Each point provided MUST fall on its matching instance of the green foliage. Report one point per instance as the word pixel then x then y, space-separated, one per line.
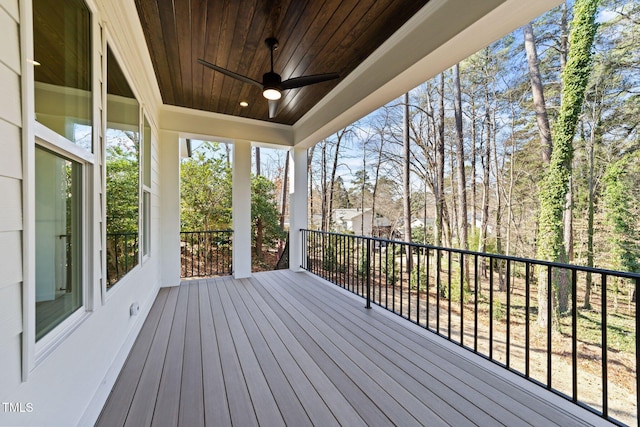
pixel 498 310
pixel 418 236
pixel 205 191
pixel 206 196
pixel 122 185
pixel 389 268
pixel 264 207
pixel 455 288
pixel 554 186
pixel 474 241
pixel 334 252
pixel 419 278
pixel 620 217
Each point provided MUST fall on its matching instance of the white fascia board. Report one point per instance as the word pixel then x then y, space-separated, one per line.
pixel 197 124
pixel 125 30
pixel 440 35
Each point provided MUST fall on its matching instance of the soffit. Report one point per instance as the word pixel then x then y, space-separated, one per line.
pixel 315 37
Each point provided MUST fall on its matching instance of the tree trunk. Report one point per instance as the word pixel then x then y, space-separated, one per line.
pixel 474 186
pixel 454 193
pixel 332 182
pixel 502 285
pixel 537 91
pixel 374 192
pixel 440 171
pixel 486 164
pixel 406 178
pixel 568 222
pixel 310 153
pixel 259 225
pixel 324 188
pixel 283 209
pixel 555 185
pixel 462 180
pixel 512 162
pixel 590 218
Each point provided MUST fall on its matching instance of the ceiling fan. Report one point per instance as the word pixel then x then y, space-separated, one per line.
pixel 272 84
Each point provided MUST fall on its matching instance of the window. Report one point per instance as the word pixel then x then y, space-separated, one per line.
pixel 146 158
pixel 62 49
pixel 122 158
pixel 63 87
pixel 146 188
pixel 58 239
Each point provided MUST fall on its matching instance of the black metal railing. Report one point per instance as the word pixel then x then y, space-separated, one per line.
pixel 205 253
pixel 494 305
pixel 122 255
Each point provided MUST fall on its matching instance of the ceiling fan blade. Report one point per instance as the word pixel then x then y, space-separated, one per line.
pixel 273 108
pixel 230 73
pixel 308 80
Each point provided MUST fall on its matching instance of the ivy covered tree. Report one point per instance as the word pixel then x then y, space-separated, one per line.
pixel 620 217
pixel 555 185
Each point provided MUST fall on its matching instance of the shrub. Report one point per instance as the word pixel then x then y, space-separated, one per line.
pixel 419 278
pixel 389 266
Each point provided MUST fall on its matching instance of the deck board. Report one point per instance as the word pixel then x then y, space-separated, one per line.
pixel 413 364
pixel 123 393
pixel 143 404
pixel 192 404
pixel 285 348
pixel 167 407
pixel 292 411
pixel 482 388
pixel 216 406
pixel 318 392
pixel 240 406
pixel 262 398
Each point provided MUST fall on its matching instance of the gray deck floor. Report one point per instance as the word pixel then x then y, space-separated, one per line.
pixel 285 348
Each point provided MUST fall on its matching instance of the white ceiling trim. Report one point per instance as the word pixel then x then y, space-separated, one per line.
pixel 205 125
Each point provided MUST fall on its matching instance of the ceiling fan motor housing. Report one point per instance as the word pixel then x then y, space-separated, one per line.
pixel 271 80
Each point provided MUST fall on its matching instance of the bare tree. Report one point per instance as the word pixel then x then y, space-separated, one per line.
pixel 462 180
pixel 406 177
pixel 537 92
pixel 440 159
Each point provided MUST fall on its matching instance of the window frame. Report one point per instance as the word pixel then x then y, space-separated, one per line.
pixel 36 134
pixel 108 44
pixel 52 338
pixel 146 194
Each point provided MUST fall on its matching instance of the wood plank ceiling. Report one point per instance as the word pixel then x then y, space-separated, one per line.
pixel 315 37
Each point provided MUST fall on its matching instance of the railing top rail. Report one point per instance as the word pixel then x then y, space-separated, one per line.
pixel 594 270
pixel 206 231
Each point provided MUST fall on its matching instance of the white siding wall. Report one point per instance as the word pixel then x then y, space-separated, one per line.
pixel 69 385
pixel 10 202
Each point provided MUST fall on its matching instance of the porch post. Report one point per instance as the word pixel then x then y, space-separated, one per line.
pixel 169 157
pixel 241 209
pixel 298 197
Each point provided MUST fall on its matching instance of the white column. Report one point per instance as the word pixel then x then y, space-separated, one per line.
pixel 298 196
pixel 241 207
pixel 169 248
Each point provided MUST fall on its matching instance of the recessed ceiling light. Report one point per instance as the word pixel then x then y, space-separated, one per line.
pixel 244 104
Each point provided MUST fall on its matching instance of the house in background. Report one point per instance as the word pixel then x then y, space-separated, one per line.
pixel 359 221
pixel 98 96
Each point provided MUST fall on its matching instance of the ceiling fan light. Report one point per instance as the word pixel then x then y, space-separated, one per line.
pixel 272 94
